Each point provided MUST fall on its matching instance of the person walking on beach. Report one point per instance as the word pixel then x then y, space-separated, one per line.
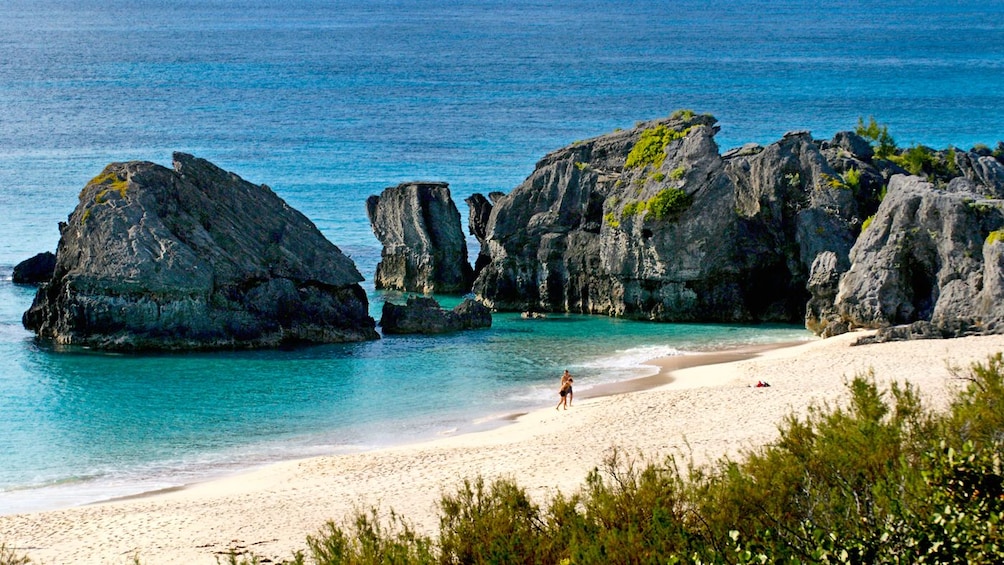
pixel 565 392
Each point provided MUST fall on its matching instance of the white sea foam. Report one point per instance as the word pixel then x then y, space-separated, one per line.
pixel 633 357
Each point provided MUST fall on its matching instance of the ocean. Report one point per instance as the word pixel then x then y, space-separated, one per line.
pixel 329 102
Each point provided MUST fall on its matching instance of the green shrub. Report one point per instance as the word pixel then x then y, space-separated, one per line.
pixel 492 524
pixel 668 203
pixel 632 209
pixel 678 173
pixel 950 166
pixel 582 166
pixel 883 143
pixel 683 114
pixel 651 146
pixel 867 222
pixel 659 176
pixel 917 160
pixel 370 542
pixel 994 237
pixel 852 178
pixel 611 220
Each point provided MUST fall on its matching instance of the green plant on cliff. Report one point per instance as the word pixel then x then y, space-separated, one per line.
pixel 111 181
pixel 917 160
pixel 684 114
pixel 868 221
pixel 995 236
pixel 852 178
pixel 651 146
pixel 883 143
pixel 678 173
pixel 668 203
pixel 611 220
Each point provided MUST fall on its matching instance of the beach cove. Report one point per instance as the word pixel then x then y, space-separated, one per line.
pixel 705 412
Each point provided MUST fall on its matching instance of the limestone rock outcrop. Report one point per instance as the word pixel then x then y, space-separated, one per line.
pixel 653 223
pixel 930 259
pixel 194 258
pixel 424 248
pixel 423 315
pixel 35 270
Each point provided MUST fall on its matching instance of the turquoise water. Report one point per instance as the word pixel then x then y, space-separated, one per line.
pixel 330 101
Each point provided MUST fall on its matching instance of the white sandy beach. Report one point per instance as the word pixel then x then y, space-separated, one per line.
pixel 706 412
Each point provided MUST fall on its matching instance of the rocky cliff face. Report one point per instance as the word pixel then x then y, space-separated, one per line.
pixel 194 257
pixel 653 223
pixel 929 255
pixel 424 249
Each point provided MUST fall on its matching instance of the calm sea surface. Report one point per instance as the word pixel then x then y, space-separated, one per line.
pixel 331 101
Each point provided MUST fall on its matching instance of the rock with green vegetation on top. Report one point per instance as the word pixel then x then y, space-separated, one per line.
pixel 194 258
pixel 654 223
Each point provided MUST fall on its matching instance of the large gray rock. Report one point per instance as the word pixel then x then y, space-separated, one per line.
pixel 925 257
pixel 423 315
pixel 194 257
pixel 585 232
pixel 424 248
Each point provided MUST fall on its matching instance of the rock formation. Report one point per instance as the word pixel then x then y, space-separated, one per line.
pixel 424 248
pixel 35 270
pixel 929 255
pixel 425 316
pixel 194 257
pixel 480 210
pixel 652 223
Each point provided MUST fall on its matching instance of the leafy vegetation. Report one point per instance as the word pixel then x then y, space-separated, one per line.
pixel 667 204
pixel 852 178
pixel 994 237
pixel 112 182
pixel 678 173
pixel 867 222
pixel 684 114
pixel 883 143
pixel 881 479
pixel 651 146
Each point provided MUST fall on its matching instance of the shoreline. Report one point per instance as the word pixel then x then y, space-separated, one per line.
pixel 666 366
pixel 485 423
pixel 707 410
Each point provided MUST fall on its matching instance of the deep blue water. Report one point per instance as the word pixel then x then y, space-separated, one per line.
pixel 328 102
